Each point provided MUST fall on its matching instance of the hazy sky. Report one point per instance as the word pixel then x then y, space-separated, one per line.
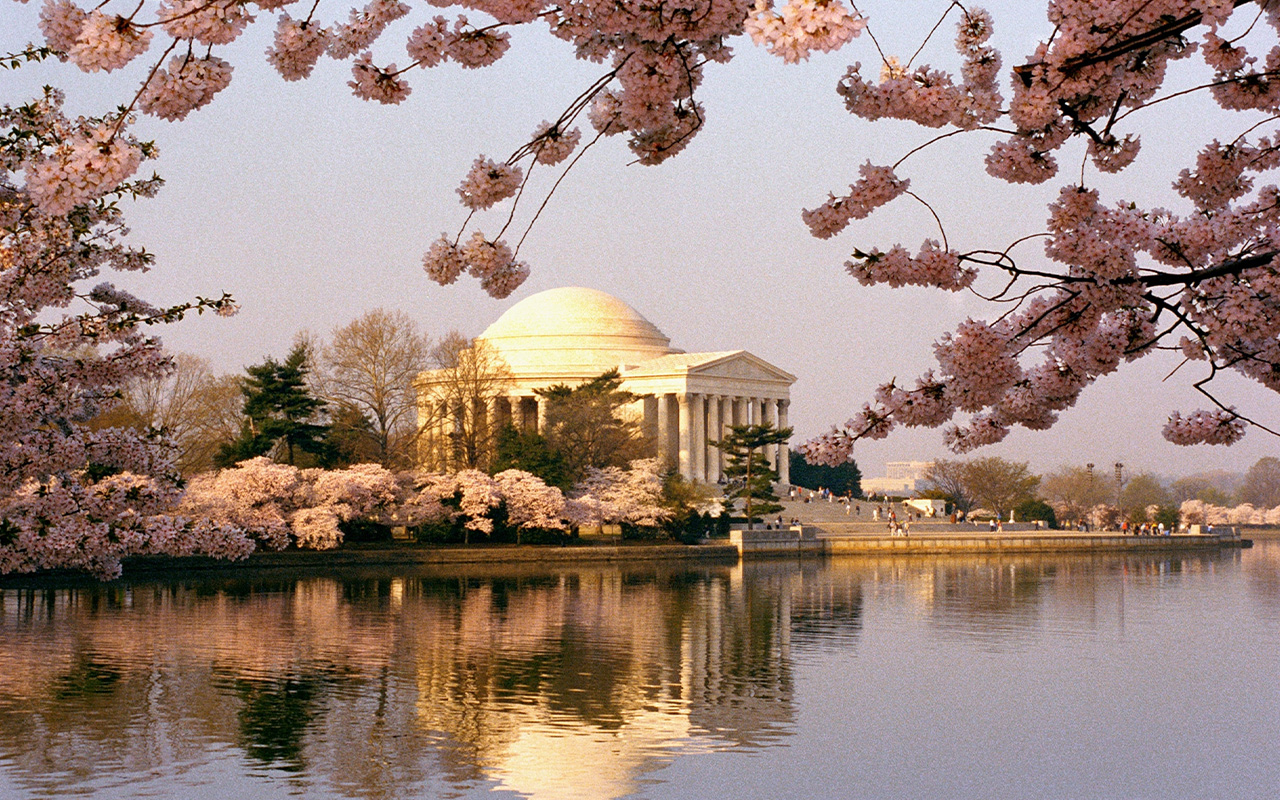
pixel 312 207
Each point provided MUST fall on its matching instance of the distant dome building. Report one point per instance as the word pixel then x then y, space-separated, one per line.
pixel 571 335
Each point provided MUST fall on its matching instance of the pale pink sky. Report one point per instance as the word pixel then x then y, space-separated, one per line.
pixel 312 206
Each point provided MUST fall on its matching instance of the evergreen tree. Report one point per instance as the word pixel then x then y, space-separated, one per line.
pixel 586 427
pixel 278 410
pixel 529 451
pixel 750 477
pixel 844 478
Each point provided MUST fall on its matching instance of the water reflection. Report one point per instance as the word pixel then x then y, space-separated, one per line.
pixel 577 682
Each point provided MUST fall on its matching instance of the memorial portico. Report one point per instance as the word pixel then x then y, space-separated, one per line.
pixel 571 335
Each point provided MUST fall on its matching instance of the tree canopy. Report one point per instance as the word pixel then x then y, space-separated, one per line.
pixel 280 413
pixel 840 479
pixel 749 473
pixel 993 483
pixel 588 427
pixel 369 366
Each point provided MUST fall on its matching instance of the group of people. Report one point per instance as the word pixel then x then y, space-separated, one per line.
pixel 821 493
pixel 1146 529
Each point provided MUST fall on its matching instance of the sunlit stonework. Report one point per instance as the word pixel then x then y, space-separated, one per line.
pixel 570 335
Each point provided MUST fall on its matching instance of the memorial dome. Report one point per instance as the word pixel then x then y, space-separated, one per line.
pixel 574 331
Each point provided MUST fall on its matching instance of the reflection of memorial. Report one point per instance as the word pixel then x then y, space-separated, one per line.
pixel 577 689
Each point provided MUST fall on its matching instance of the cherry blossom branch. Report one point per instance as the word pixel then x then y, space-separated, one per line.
pixel 555 186
pixel 1200 387
pixel 931 32
pixel 1136 42
pixel 143 88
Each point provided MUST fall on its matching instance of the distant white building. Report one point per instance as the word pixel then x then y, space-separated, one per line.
pixel 902 478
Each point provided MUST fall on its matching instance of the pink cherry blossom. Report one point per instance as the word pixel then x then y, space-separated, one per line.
pixel 377 83
pixel 188 84
pixel 107 42
pixel 488 183
pixel 553 145
pixel 207 21
pixel 298 45
pixel 1204 427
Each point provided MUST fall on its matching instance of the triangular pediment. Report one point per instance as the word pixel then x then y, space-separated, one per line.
pixel 734 365
pixel 741 365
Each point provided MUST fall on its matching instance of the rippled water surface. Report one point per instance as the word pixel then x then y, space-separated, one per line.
pixel 1044 677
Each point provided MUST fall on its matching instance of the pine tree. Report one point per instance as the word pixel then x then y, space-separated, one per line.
pixel 586 426
pixel 750 477
pixel 278 410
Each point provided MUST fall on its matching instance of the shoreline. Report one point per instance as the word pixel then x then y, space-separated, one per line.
pixel 739 548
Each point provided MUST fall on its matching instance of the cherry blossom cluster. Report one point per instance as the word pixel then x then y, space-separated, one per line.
pixel 491 261
pixel 614 495
pixel 933 266
pixel 297 47
pixel 553 145
pixel 877 186
pixel 931 97
pixel 376 83
pixel 1217 426
pixel 473 498
pixel 488 183
pixel 802 26
pixel 72 496
pixel 188 84
pixel 82 167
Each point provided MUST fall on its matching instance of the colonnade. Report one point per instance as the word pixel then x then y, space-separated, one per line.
pixel 453 431
pixel 682 423
pixel 685 423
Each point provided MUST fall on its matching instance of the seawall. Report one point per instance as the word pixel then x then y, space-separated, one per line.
pixel 810 540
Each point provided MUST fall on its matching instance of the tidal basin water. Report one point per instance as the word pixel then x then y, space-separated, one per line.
pixel 1019 677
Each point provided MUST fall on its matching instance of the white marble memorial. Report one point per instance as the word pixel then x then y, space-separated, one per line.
pixel 572 334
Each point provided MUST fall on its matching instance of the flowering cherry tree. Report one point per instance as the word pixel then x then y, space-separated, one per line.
pixel 280 505
pixel 612 494
pixel 1197 512
pixel 72 496
pixel 1107 281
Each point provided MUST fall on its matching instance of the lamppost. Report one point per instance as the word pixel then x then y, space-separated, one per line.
pixel 1089 498
pixel 1119 482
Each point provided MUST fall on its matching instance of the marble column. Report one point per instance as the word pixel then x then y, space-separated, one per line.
pixel 714 455
pixel 768 408
pixel 492 419
pixel 543 406
pixel 740 411
pixel 698 436
pixel 649 420
pixel 784 456
pixel 666 453
pixel 686 423
pixel 726 419
pixel 503 412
